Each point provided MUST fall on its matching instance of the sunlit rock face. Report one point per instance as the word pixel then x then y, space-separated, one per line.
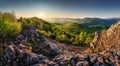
pixel 107 39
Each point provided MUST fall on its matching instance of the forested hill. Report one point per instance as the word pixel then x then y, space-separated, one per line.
pixel 70 33
pixel 74 33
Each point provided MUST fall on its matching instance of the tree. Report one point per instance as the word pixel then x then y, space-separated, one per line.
pixel 82 36
pixel 88 40
pixel 77 40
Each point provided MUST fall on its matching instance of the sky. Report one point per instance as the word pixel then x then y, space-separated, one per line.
pixel 62 8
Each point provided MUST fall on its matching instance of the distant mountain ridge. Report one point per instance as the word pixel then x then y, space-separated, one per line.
pixel 85 21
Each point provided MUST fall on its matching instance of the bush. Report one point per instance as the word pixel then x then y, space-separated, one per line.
pixel 9 25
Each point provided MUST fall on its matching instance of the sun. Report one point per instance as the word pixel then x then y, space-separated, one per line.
pixel 41 15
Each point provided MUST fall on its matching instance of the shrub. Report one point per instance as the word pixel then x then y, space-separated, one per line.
pixel 9 25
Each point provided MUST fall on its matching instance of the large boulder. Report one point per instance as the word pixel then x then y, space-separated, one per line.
pixel 49 49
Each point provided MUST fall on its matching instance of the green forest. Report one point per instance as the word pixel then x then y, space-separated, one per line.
pixel 69 33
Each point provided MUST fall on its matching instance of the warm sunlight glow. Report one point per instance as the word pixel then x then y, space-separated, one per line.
pixel 41 15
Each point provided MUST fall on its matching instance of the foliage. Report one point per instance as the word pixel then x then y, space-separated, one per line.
pixel 72 33
pixel 9 25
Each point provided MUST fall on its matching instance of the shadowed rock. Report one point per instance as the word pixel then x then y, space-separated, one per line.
pixel 50 48
pixel 13 55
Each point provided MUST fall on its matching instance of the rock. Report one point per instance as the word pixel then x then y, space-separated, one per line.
pixel 50 49
pixel 39 64
pixel 79 64
pixel 74 58
pixel 93 58
pixel 100 60
pixel 82 63
pixel 33 58
pixel 10 53
pixel 85 63
pixel 108 54
pixel 112 59
pixel 113 64
pixel 62 64
pixel 24 47
pixel 117 59
pixel 52 63
pixel 42 38
pixel 83 57
pixel 107 39
pixel 96 37
pixel 107 61
pixel 15 56
pixel 96 64
pixel 118 53
pixel 73 62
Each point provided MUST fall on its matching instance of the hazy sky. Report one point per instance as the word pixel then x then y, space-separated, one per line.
pixel 62 8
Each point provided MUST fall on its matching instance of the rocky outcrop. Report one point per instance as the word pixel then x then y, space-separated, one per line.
pixel 46 53
pixel 108 39
pixel 40 44
pixel 29 48
pixel 15 56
